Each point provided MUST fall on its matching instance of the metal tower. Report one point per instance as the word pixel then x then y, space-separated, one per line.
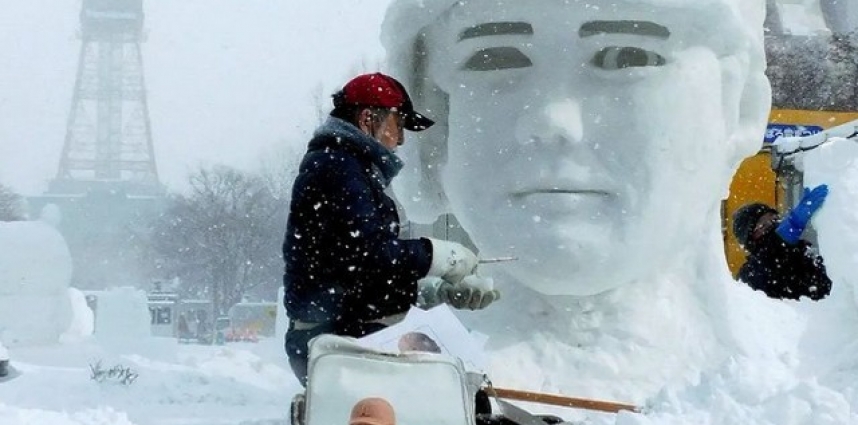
pixel 107 188
pixel 108 141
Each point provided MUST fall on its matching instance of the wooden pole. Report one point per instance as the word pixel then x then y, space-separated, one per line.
pixel 562 401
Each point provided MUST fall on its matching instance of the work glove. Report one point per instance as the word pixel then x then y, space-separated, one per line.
pixel 474 292
pixel 796 220
pixel 451 261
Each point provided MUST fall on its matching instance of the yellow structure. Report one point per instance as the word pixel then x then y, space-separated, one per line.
pixel 755 181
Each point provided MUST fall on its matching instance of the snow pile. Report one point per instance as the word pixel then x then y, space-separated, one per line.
pixel 832 340
pixel 836 164
pixel 35 270
pixel 122 313
pixel 83 319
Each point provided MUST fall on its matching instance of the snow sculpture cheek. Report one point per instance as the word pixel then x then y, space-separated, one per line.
pixel 35 271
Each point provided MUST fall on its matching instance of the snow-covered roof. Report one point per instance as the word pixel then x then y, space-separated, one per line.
pixel 794 145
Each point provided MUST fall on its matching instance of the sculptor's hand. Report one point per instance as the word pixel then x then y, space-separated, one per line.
pixel 474 292
pixel 451 261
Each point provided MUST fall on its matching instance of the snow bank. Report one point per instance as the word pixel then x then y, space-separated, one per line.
pixel 177 384
pixel 83 318
pixel 832 338
pixel 122 314
pixel 101 416
pixel 836 164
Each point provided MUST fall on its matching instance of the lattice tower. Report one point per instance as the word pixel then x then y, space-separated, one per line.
pixel 108 138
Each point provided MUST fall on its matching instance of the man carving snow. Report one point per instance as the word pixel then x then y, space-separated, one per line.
pixel 347 270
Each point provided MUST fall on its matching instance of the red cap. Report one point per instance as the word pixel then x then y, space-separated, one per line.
pixel 382 91
pixel 374 90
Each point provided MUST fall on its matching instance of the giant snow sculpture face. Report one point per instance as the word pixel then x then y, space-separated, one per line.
pixel 589 140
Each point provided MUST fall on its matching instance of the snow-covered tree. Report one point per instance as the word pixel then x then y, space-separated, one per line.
pixel 11 205
pixel 813 72
pixel 798 71
pixel 843 57
pixel 279 167
pixel 223 238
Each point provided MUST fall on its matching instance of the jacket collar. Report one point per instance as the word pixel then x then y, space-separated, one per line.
pixel 335 133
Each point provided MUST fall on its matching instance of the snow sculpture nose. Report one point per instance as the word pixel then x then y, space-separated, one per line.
pixel 556 122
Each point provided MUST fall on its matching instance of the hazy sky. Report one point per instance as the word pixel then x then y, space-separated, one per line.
pixel 228 80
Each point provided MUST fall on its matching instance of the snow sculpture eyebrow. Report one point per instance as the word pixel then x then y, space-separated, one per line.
pixel 644 28
pixel 496 28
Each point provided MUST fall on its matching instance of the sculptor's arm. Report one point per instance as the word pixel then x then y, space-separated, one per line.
pixel 793 225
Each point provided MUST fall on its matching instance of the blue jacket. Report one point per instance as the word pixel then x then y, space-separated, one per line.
pixel 344 259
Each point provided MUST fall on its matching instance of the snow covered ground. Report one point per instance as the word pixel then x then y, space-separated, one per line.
pixel 54 355
pixel 183 384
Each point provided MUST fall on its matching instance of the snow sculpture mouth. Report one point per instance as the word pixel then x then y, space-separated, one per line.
pixel 557 191
pixel 563 205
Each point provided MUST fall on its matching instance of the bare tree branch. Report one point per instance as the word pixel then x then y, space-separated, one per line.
pixel 223 238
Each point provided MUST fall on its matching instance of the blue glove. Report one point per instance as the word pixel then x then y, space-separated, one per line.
pixel 796 221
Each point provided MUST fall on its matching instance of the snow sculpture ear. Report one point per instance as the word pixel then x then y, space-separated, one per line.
pixel 755 99
pixel 754 108
pixel 419 187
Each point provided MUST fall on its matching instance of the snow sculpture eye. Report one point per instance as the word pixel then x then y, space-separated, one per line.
pixel 497 58
pixel 615 57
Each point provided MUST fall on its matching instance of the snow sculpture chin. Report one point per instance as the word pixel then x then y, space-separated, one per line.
pixel 35 271
pixel 594 142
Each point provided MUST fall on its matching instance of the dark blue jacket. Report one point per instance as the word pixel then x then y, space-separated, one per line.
pixel 785 271
pixel 344 259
